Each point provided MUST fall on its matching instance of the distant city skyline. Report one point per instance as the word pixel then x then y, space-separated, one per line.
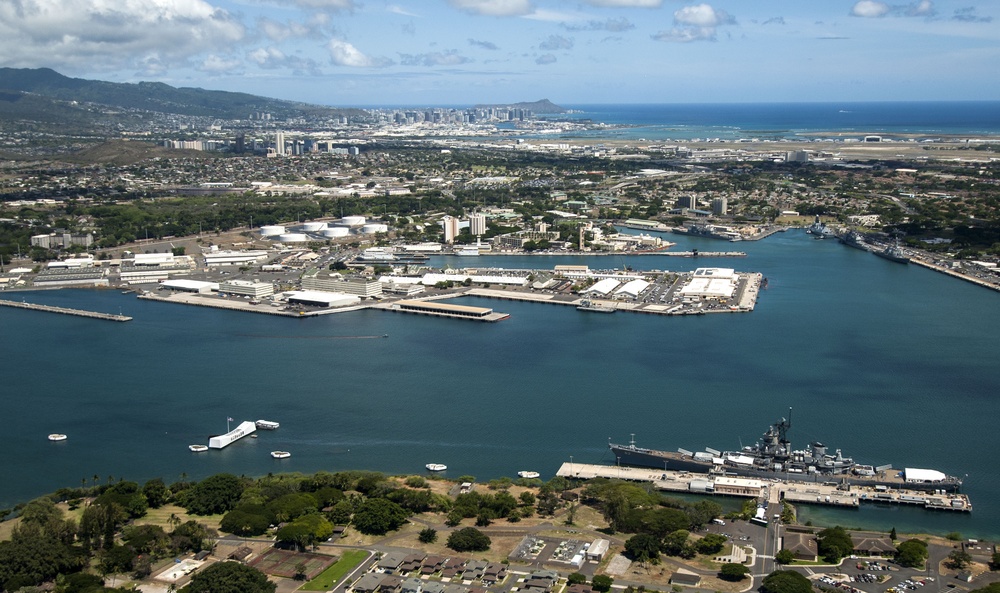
pixel 455 52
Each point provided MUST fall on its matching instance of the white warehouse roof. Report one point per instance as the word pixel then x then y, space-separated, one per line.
pixel 322 299
pixel 714 273
pixel 190 285
pixel 603 287
pixel 633 288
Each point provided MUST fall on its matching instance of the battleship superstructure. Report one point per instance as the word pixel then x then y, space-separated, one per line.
pixel 773 457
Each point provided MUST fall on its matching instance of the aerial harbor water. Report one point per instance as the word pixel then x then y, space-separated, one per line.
pixel 894 364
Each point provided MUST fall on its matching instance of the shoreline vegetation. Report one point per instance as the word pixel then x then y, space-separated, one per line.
pixel 130 531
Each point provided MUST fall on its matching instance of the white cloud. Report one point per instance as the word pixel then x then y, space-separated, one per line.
pixel 612 25
pixel 545 59
pixel 922 8
pixel 484 44
pixel 396 9
pixel 494 7
pixel 876 9
pixel 626 3
pixel 695 23
pixel 870 9
pixel 702 15
pixel 448 58
pixel 555 42
pixel 99 34
pixel 343 53
pixel 335 5
pixel 215 64
pixel 553 16
pixel 278 32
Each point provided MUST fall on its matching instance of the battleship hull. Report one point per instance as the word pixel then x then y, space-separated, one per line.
pixel 674 461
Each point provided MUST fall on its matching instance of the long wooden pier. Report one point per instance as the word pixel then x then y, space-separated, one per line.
pixel 64 311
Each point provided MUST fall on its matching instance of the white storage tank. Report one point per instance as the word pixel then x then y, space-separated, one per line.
pixel 372 228
pixel 312 227
pixel 335 232
pixel 293 238
pixel 272 230
pixel 353 220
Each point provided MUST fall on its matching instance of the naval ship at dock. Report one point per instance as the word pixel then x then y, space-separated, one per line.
pixel 773 458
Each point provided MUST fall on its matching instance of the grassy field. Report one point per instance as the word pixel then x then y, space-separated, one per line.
pixel 329 578
pixel 161 517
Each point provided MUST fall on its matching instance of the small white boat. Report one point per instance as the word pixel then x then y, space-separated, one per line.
pixel 57 437
pixel 436 467
pixel 198 448
pixel 267 425
pixel 280 454
pixel 526 474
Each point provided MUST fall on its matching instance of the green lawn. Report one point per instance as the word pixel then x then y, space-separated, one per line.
pixel 329 578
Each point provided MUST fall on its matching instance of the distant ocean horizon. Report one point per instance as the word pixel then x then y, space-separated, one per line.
pixel 774 121
pixel 795 120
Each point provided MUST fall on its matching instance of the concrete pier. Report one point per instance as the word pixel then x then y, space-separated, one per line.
pixel 773 490
pixel 64 311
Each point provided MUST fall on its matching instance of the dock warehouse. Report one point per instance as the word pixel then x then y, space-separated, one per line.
pixel 711 283
pixel 189 285
pixel 312 298
pixel 603 287
pixel 443 309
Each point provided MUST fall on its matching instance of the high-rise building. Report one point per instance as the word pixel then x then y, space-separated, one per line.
pixel 450 224
pixel 477 224
pixel 720 206
pixel 279 143
pixel 689 202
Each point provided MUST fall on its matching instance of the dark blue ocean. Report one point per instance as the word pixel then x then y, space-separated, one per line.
pixel 730 121
pixel 892 363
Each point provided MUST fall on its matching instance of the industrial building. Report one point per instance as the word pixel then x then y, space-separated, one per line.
pixel 602 287
pixel 312 298
pixel 711 283
pixel 183 285
pixel 632 289
pixel 255 290
pixel 362 287
pixel 86 261
pixel 233 258
pixel 443 309
pixel 739 486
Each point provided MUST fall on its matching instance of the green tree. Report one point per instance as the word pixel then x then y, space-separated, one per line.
pixel 834 543
pixel 576 579
pixel 733 572
pixel 247 521
pixel 674 543
pixel 712 543
pixel 643 547
pixel 786 581
pixel 469 539
pixel 991 588
pixel 995 561
pixel 784 557
pixel 155 492
pixel 378 516
pixel 305 531
pixel 428 535
pixel 229 577
pixel 912 553
pixel 216 494
pixel 958 560
pixel 602 583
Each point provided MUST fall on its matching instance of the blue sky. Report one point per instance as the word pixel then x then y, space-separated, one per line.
pixel 460 52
